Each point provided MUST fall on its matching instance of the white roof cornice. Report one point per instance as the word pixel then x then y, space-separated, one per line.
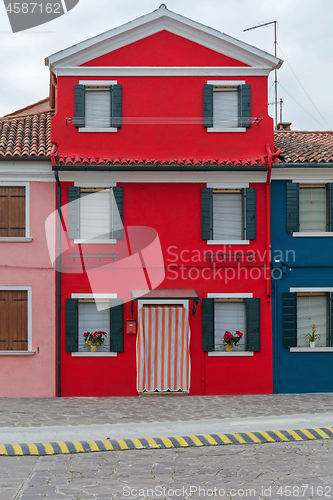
pixel 156 21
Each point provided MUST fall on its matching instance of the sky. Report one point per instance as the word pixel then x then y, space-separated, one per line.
pixel 304 36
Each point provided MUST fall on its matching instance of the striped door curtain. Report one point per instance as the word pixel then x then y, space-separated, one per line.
pixel 163 349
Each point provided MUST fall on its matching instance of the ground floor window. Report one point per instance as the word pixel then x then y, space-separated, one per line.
pixel 93 316
pixel 221 315
pixel 13 320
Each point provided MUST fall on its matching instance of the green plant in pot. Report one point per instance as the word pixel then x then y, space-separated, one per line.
pixel 312 336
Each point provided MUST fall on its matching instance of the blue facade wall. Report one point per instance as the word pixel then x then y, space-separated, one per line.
pixel 308 263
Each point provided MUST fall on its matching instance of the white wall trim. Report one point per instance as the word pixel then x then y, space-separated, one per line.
pixel 93 129
pixel 223 179
pixel 230 83
pixel 221 129
pixel 228 242
pixel 94 295
pixel 15 240
pixel 89 184
pixel 233 354
pixel 311 349
pixel 119 71
pixel 29 290
pixel 103 354
pixel 228 185
pixel 26 171
pixel 95 242
pixel 311 289
pixel 98 82
pixel 229 295
pixel 303 175
pixel 312 235
pixel 17 353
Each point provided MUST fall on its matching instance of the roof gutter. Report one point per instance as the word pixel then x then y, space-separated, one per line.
pixel 304 165
pixel 158 168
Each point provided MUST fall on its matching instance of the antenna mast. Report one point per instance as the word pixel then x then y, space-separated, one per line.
pixel 275 71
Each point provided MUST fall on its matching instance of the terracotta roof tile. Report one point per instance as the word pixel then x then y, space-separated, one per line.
pixel 304 147
pixel 28 135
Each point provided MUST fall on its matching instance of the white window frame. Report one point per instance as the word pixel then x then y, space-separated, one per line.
pixel 94 296
pixel 102 185
pixel 26 238
pixel 226 83
pixel 309 290
pixel 321 234
pixel 29 351
pixel 230 296
pixel 98 83
pixel 240 186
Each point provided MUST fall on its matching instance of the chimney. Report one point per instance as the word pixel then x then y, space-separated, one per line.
pixel 284 126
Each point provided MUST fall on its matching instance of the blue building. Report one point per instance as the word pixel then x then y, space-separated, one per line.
pixel 302 261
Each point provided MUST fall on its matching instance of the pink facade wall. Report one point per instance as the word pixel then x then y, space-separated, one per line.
pixel 28 264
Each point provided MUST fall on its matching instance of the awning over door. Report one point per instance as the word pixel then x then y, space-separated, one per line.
pixel 164 295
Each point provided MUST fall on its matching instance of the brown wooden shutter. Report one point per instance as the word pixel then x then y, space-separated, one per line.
pixel 12 212
pixel 17 212
pixel 4 204
pixel 13 320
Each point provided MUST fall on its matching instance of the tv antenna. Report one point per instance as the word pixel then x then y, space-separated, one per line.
pixel 275 71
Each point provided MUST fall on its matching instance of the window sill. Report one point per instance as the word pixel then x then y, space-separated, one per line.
pixel 16 240
pixel 311 349
pixel 231 354
pixel 311 235
pixel 17 353
pixel 221 129
pixel 93 129
pixel 94 354
pixel 95 242
pixel 228 242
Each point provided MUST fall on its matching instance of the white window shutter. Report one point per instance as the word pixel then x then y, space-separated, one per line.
pixel 97 108
pixel 312 209
pixel 227 216
pixel 95 215
pixel 230 316
pixel 225 109
pixel 92 320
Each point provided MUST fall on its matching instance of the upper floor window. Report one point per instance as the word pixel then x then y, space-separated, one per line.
pixel 13 320
pixel 98 107
pixel 228 216
pixel 309 208
pixel 12 212
pixel 227 106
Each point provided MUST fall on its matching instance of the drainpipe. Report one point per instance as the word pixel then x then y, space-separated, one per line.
pixel 53 160
pixel 270 157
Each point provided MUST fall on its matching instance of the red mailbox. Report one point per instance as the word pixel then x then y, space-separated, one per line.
pixel 131 326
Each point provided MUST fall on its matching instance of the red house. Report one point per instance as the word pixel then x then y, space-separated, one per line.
pixel 162 152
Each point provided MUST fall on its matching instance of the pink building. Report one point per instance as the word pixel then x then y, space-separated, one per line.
pixel 27 279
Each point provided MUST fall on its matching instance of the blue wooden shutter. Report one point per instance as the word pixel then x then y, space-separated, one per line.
pixel 251 213
pixel 289 318
pixel 80 106
pixel 244 105
pixel 329 208
pixel 118 213
pixel 71 324
pixel 208 106
pixel 208 325
pixel 116 106
pixel 117 325
pixel 292 207
pixel 73 212
pixel 252 324
pixel 330 319
pixel 206 214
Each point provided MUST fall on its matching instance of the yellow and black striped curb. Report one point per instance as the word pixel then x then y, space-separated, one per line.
pixel 62 447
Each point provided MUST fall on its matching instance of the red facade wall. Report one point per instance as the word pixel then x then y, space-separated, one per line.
pixel 179 230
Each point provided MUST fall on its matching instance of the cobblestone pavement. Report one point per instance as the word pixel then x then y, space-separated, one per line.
pixel 83 411
pixel 261 472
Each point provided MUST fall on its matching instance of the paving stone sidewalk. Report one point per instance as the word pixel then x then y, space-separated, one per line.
pixel 85 411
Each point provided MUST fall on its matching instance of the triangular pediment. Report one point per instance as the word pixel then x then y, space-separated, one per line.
pixel 158 21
